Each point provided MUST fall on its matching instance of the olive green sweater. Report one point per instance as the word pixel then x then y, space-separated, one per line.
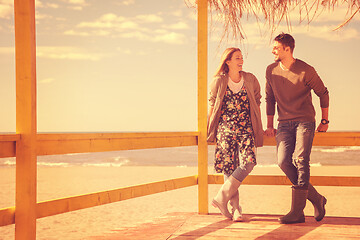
pixel 291 91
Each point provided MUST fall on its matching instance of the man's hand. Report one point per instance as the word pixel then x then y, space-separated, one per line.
pixel 270 132
pixel 322 127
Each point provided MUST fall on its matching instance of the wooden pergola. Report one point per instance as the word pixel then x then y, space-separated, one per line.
pixel 27 144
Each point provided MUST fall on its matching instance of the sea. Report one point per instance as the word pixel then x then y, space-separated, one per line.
pixel 186 157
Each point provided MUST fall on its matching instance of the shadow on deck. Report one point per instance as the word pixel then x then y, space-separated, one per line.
pixel 194 226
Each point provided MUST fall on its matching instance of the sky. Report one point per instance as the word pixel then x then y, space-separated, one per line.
pixel 131 65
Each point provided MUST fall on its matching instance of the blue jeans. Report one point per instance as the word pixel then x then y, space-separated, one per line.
pixel 294 142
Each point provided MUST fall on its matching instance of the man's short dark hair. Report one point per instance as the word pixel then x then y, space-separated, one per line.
pixel 287 40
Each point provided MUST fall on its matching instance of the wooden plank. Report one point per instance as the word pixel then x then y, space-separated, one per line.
pixel 26 171
pixel 337 139
pixel 202 29
pixel 283 180
pixel 53 143
pixel 327 139
pixel 7 149
pixel 49 144
pixel 63 205
pixel 9 137
pixel 215 226
pixel 8 145
pixel 7 216
pixel 159 228
pixel 94 136
pixel 266 227
pixel 53 207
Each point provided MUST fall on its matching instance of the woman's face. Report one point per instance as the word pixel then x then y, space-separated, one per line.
pixel 236 62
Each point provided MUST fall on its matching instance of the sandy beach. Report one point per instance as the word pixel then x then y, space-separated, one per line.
pixel 58 182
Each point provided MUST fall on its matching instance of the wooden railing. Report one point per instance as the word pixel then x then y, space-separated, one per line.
pixel 100 142
pixel 28 144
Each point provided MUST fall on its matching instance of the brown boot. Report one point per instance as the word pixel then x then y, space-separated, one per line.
pixel 296 214
pixel 318 202
pixel 226 192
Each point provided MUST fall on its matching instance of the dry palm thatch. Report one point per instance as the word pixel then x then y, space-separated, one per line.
pixel 273 12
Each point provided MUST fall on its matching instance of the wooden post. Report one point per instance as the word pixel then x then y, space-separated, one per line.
pixel 25 51
pixel 202 108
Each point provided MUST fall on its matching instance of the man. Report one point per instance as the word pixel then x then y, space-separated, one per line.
pixel 289 82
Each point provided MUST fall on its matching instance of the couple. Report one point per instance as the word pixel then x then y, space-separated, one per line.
pixel 235 124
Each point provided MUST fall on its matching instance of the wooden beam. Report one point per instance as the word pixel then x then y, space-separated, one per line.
pixel 25 52
pixel 327 139
pixel 53 207
pixel 337 139
pixel 283 180
pixel 202 107
pixel 63 205
pixel 49 144
pixel 7 216
pixel 58 206
pixel 64 143
pixel 8 145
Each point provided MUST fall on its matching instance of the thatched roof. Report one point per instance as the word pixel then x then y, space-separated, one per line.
pixel 273 12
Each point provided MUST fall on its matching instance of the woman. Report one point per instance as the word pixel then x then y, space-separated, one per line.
pixel 235 124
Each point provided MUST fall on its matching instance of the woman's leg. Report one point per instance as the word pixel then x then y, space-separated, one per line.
pixel 236 209
pixel 247 161
pixel 224 153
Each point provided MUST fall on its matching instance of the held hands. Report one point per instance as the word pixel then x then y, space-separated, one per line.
pixel 270 132
pixel 322 127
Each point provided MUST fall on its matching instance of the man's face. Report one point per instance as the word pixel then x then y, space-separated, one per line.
pixel 278 51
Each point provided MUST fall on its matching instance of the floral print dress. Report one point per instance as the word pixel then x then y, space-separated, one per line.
pixel 234 134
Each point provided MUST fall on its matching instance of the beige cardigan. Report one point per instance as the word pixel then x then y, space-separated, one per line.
pixel 217 92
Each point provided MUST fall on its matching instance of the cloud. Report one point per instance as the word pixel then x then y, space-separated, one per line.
pixel 178 26
pixel 172 38
pixel 39 16
pixel 8 2
pixel 132 52
pixel 76 33
pixel 177 13
pixel 131 28
pixel 6 10
pixel 127 2
pixel 46 80
pixel 62 52
pixel 338 14
pixel 40 4
pixel 137 35
pixel 157 36
pixel 150 18
pixel 79 2
pixel 109 20
pixel 76 4
pixel 326 32
pixel 68 53
pixel 259 34
pixel 7 50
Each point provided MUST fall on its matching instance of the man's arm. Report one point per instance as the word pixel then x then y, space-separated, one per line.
pixel 324 115
pixel 270 130
pixel 270 107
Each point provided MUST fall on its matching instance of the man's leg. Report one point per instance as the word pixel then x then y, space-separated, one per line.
pixel 304 140
pixel 285 139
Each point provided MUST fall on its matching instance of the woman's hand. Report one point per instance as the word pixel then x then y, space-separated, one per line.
pixel 270 132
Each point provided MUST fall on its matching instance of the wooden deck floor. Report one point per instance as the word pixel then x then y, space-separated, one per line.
pixel 182 226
